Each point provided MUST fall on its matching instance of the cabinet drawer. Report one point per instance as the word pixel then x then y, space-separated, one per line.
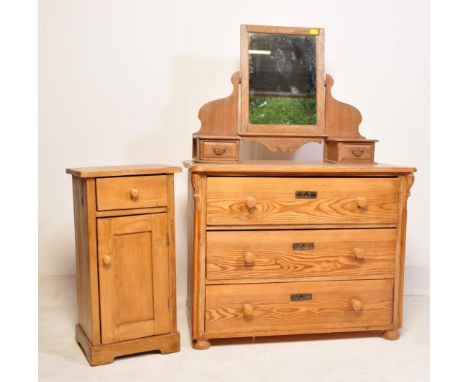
pixel 220 150
pixel 236 255
pixel 131 192
pixel 314 306
pixel 268 201
pixel 357 152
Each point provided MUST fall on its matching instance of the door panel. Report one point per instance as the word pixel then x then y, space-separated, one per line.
pixel 133 270
pixel 133 277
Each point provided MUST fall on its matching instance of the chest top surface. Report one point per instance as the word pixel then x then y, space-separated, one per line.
pixel 298 168
pixel 128 170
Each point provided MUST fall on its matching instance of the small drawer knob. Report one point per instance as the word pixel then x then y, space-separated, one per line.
pixel 218 150
pixel 106 260
pixel 361 202
pixel 250 202
pixel 356 305
pixel 249 258
pixel 359 254
pixel 358 152
pixel 134 194
pixel 247 309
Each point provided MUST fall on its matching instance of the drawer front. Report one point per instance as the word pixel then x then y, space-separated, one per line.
pixel 220 150
pixel 269 201
pixel 266 308
pixel 131 192
pixel 237 255
pixel 357 152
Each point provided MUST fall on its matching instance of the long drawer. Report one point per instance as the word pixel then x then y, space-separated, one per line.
pixel 281 307
pixel 272 201
pixel 236 255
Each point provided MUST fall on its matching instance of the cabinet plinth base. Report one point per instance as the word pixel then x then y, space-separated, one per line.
pixel 391 335
pixel 201 344
pixel 104 354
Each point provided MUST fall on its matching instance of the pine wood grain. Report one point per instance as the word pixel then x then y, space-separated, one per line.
pixel 132 211
pixel 219 117
pixel 126 170
pixel 104 354
pixel 84 206
pixel 334 254
pixel 337 201
pixel 219 150
pixel 273 309
pixel 223 276
pixel 171 254
pixel 133 277
pixel 116 193
pixel 197 269
pixel 341 120
pixel 126 287
pixel 291 168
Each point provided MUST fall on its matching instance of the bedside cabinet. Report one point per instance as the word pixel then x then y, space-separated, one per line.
pixel 280 248
pixel 125 260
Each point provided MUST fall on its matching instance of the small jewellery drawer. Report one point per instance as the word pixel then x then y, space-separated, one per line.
pixel 357 152
pixel 219 150
pixel 237 255
pixel 298 306
pixel 273 201
pixel 131 192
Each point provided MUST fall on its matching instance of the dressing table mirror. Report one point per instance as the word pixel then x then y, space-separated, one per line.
pixel 285 102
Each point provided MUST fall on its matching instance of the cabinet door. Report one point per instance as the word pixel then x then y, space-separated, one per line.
pixel 133 277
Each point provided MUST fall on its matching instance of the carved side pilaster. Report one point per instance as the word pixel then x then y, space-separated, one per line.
pixel 409 184
pixel 196 191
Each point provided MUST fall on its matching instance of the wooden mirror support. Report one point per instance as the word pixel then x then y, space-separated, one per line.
pixel 344 143
pixel 217 139
pixel 223 121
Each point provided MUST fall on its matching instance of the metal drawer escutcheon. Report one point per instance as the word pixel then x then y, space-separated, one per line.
pixel 306 194
pixel 301 297
pixel 302 246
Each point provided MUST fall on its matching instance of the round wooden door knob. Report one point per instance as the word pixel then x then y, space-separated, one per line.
pixel 134 194
pixel 249 258
pixel 356 305
pixel 250 202
pixel 106 260
pixel 359 254
pixel 361 202
pixel 247 309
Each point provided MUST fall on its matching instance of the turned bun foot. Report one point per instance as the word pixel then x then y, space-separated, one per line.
pixel 201 344
pixel 391 334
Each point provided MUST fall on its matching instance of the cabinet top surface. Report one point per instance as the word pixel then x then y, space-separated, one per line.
pixel 297 167
pixel 137 169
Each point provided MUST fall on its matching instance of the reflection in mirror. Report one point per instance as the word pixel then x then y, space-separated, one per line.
pixel 282 79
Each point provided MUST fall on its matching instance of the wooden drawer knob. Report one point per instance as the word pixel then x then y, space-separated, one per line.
pixel 249 258
pixel 359 254
pixel 358 152
pixel 218 150
pixel 356 305
pixel 134 194
pixel 247 309
pixel 250 202
pixel 106 260
pixel 361 202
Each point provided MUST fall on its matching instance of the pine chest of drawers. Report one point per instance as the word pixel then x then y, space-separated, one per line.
pixel 279 248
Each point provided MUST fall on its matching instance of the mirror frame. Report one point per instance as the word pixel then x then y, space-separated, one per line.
pixel 248 129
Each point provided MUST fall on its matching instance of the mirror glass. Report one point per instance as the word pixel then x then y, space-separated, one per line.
pixel 282 79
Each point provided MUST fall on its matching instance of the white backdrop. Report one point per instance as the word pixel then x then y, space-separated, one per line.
pixel 121 82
